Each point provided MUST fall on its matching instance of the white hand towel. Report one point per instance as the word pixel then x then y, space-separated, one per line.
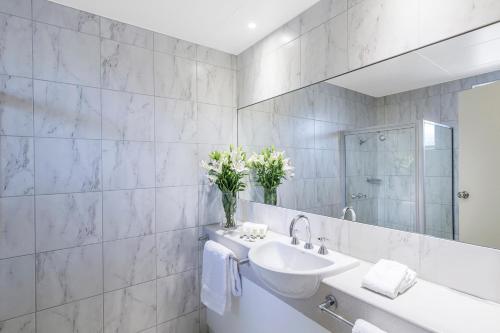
pixel 389 278
pixel 219 277
pixel 361 326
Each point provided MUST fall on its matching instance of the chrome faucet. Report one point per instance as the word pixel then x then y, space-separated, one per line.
pixel 351 211
pixel 293 231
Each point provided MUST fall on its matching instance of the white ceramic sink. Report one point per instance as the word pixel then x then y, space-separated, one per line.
pixel 292 271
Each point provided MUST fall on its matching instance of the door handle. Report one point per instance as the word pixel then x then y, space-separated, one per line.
pixel 463 195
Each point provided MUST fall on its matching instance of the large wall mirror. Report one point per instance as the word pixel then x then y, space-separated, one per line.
pixel 410 143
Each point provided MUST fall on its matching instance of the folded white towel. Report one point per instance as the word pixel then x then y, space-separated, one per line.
pixel 389 278
pixel 220 277
pixel 361 326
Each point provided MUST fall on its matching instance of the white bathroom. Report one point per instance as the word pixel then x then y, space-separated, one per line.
pixel 261 166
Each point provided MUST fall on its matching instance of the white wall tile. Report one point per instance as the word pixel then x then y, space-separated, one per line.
pixel 23 324
pixel 17 226
pixel 16 166
pixel 16 42
pixel 174 46
pixel 17 286
pixel 177 295
pixel 16 106
pixel 175 77
pixel 126 33
pixel 215 84
pixel 66 165
pixel 188 323
pixel 16 7
pixel 321 12
pixel 215 124
pixel 177 251
pixel 176 208
pixel 176 164
pixel 176 120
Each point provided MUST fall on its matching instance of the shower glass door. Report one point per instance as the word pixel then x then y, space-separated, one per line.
pixel 380 176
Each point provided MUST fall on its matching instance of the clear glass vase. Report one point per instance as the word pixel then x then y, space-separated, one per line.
pixel 229 201
pixel 271 196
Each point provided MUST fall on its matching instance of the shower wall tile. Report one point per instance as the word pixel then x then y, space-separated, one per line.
pixel 215 57
pixel 127 116
pixel 67 220
pixel 130 310
pixel 175 77
pixel 52 13
pixel 174 46
pixel 128 213
pixel 65 56
pixel 127 164
pixel 17 221
pixel 16 45
pixel 188 323
pixel 16 106
pixel 23 324
pixel 127 68
pixel 177 251
pixel 68 275
pixel 176 164
pixel 16 166
pixel 324 51
pixel 128 262
pixel 80 316
pixel 66 111
pixel 177 295
pixel 66 165
pixel 210 208
pixel 16 7
pixel 126 33
pixel 17 286
pixel 176 120
pixel 176 208
pixel 321 12
pixel 215 85
pixel 216 124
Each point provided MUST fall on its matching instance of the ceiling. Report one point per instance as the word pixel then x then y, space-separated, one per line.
pixel 474 53
pixel 220 24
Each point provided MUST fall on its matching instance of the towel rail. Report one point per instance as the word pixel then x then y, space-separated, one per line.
pixel 329 302
pixel 239 261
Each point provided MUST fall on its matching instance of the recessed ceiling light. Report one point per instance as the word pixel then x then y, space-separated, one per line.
pixel 252 25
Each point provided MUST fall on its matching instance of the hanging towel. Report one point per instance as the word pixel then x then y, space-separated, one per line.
pixel 220 277
pixel 389 278
pixel 361 326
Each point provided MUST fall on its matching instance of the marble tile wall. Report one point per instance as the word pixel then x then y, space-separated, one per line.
pixel 306 125
pixel 335 36
pixel 102 128
pixel 436 260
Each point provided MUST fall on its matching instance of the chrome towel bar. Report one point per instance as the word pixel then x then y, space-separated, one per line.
pixel 329 302
pixel 239 261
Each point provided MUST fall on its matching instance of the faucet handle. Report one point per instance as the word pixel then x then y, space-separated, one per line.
pixel 323 249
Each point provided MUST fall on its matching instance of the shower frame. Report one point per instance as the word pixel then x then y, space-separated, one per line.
pixel 418 129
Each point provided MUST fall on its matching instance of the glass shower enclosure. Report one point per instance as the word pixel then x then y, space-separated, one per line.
pixel 401 177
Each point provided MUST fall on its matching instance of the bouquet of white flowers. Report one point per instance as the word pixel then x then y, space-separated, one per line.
pixel 227 169
pixel 271 169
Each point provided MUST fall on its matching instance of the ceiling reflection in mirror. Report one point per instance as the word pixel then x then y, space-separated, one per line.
pixel 410 143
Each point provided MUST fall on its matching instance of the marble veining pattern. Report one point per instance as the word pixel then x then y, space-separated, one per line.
pixel 128 262
pixel 128 213
pixel 215 85
pixel 66 165
pixel 127 164
pixel 125 33
pixel 16 166
pixel 16 106
pixel 17 219
pixel 65 56
pixel 15 46
pixel 17 286
pixel 78 131
pixel 79 316
pixel 67 220
pixel 130 310
pixel 67 111
pixel 48 12
pixel 68 275
pixel 187 323
pixel 127 68
pixel 127 116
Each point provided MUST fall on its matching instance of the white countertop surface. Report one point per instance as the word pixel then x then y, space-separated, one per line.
pixel 428 305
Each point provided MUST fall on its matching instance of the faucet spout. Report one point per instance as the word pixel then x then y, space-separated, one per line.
pixel 293 231
pixel 349 211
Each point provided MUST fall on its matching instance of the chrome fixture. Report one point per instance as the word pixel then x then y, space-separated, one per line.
pixel 330 301
pixel 242 261
pixel 349 210
pixel 293 231
pixel 358 196
pixel 323 249
pixel 381 137
pixel 463 195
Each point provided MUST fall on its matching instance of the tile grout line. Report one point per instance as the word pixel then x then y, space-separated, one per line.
pixel 154 194
pixel 102 174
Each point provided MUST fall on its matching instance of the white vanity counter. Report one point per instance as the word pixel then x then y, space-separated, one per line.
pixel 432 307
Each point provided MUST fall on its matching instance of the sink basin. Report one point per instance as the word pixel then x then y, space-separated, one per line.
pixel 292 271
